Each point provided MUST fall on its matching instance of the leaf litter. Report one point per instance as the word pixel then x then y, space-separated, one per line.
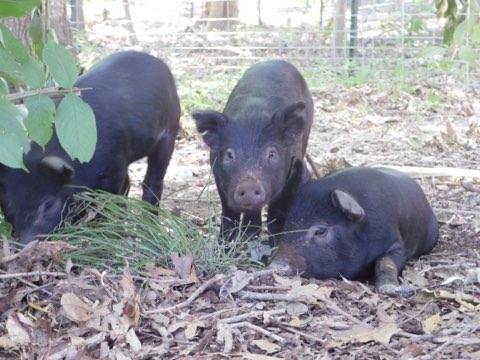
pixel 54 309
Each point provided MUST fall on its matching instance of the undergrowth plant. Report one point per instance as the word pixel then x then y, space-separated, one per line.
pixel 116 230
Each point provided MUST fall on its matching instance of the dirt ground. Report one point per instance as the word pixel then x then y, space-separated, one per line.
pixel 254 314
pixel 366 125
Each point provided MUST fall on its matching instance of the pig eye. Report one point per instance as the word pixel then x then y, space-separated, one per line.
pixel 272 154
pixel 320 231
pixel 48 205
pixel 229 156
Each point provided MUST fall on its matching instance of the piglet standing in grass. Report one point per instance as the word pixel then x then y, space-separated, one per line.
pixel 357 222
pixel 254 142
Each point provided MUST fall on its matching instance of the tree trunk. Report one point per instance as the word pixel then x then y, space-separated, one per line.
pixel 353 29
pixel 259 12
pixel 19 27
pixel 128 16
pixel 221 10
pixel 77 17
pixel 58 22
pixel 339 28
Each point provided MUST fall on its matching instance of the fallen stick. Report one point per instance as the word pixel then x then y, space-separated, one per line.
pixel 313 165
pixel 32 273
pixel 88 342
pixel 258 329
pixel 420 172
pixel 30 247
pixel 192 297
pixel 302 334
pixel 250 295
pixel 251 314
pixel 338 310
pixel 450 341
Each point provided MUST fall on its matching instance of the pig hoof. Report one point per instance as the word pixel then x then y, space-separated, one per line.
pixel 404 291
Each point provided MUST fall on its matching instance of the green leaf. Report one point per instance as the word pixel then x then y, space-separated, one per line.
pixel 11 153
pixel 9 66
pixel 416 25
pixel 13 45
pixel 11 122
pixel 35 30
pixel 460 33
pixel 475 35
pixel 60 63
pixel 466 53
pixel 33 74
pixel 448 31
pixel 4 87
pixel 433 51
pixel 17 7
pixel 41 110
pixel 76 128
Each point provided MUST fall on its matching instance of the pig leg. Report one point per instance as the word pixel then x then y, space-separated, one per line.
pixel 387 269
pixel 125 187
pixel 278 210
pixel 158 162
pixel 275 221
pixel 232 227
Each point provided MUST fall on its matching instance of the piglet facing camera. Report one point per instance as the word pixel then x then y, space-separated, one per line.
pixel 356 223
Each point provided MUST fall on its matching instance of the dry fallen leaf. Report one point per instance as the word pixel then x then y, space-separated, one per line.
pixel 267 346
pixel 183 265
pixel 296 308
pixel 431 323
pixel 6 343
pixel 307 292
pixel 237 282
pixel 75 309
pixel 133 341
pixel 127 285
pixel 191 329
pixel 296 322
pixel 364 333
pixel 18 329
pixel 8 300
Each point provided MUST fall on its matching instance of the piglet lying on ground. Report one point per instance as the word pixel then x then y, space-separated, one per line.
pixel 355 223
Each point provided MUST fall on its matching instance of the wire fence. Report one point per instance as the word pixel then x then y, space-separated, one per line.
pixel 380 38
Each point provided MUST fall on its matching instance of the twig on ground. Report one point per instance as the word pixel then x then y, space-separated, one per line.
pixel 91 341
pixel 249 295
pixel 267 288
pixel 32 273
pixel 302 334
pixel 258 329
pixel 251 314
pixel 450 341
pixel 25 251
pixel 338 310
pixel 313 165
pixel 192 297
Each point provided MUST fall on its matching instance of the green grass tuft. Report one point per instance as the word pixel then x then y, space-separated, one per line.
pixel 116 230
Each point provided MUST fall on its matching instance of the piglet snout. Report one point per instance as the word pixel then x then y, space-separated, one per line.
pixel 250 194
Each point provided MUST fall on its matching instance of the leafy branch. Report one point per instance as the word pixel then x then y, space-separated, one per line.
pixel 51 71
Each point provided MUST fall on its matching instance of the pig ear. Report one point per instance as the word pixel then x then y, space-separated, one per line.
pixel 58 167
pixel 292 121
pixel 210 124
pixel 348 205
